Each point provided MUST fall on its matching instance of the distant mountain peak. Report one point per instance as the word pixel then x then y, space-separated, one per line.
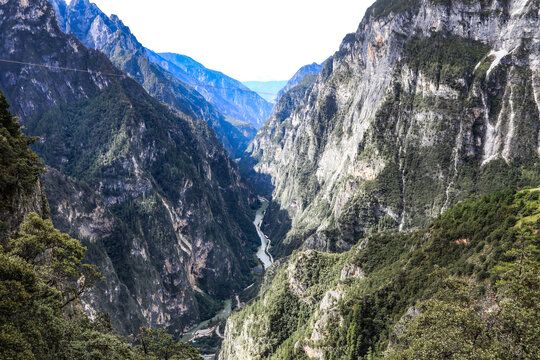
pixel 309 69
pixel 231 96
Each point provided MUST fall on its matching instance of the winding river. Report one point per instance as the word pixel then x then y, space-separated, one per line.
pixel 208 327
pixel 263 253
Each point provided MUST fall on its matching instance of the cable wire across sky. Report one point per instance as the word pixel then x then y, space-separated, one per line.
pixel 125 75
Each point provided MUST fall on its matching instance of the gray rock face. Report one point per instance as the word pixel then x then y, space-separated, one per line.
pixel 273 129
pixel 96 30
pixel 151 192
pixel 311 69
pixel 76 208
pixel 60 8
pixel 250 333
pixel 418 109
pixel 21 21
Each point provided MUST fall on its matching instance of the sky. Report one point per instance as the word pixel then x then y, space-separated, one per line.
pixel 258 40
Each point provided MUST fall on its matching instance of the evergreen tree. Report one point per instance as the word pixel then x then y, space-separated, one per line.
pixel 454 324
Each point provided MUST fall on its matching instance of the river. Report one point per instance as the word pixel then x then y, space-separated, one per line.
pixel 263 253
pixel 208 327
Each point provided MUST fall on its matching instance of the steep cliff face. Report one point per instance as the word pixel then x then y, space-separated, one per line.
pixel 152 193
pixel 96 30
pixel 23 21
pixel 229 95
pixel 428 102
pixel 311 69
pixel 82 211
pixel 272 131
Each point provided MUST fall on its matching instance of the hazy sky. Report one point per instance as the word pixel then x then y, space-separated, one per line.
pixel 245 39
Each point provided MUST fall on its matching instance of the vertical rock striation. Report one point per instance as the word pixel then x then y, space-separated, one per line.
pixel 428 102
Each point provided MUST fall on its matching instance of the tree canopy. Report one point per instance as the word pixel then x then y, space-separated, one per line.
pixel 42 276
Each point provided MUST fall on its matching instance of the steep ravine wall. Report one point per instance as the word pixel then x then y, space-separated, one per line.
pixel 427 103
pixel 152 193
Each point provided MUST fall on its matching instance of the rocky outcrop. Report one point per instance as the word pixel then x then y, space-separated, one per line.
pixel 150 191
pixel 303 288
pixel 272 132
pixel 30 85
pixel 82 212
pixel 17 205
pixel 427 103
pixel 96 30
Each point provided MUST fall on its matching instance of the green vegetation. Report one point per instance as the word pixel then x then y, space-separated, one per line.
pixel 158 345
pixel 470 240
pixel 208 307
pixel 145 162
pixel 444 58
pixel 19 167
pixel 382 8
pixel 41 280
pixel 470 249
pixel 463 322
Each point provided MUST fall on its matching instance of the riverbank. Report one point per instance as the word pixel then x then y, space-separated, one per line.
pixel 208 332
pixel 263 252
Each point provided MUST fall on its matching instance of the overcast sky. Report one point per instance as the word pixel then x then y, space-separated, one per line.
pixel 245 39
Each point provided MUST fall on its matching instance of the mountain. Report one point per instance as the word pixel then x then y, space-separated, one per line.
pixel 435 293
pixel 427 103
pixel 267 89
pixel 298 76
pixel 42 274
pixel 229 95
pixel 96 30
pixel 149 191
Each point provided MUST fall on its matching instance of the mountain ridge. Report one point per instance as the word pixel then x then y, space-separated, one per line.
pixel 144 187
pixel 229 95
pixel 311 69
pixel 365 302
pixel 370 131
pixel 96 30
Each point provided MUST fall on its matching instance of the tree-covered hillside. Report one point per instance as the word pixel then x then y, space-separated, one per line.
pixel 149 190
pixel 43 276
pixel 470 278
